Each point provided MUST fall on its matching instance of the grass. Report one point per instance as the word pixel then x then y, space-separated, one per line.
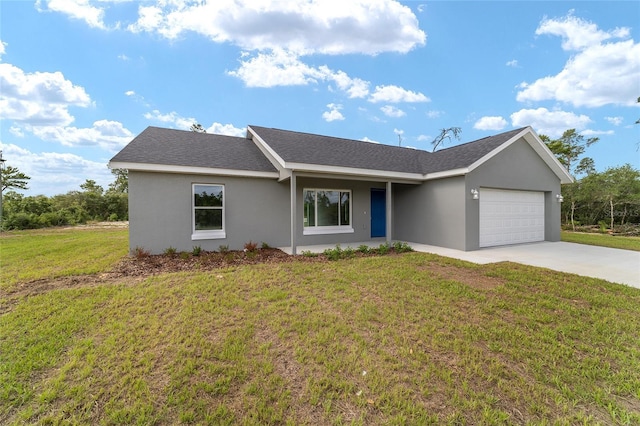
pixel 403 339
pixel 52 253
pixel 604 240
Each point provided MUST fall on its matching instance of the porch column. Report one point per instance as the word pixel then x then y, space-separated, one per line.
pixel 389 209
pixel 294 213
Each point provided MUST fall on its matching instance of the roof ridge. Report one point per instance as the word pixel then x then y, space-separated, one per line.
pixel 339 138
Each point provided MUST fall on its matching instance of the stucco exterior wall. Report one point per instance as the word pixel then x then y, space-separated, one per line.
pixel 160 211
pixel 431 213
pixel 518 167
pixel 360 206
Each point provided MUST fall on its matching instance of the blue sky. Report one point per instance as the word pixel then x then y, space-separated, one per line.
pixel 80 78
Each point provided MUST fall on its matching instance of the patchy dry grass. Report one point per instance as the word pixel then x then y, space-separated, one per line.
pixel 604 240
pixel 402 339
pixel 56 252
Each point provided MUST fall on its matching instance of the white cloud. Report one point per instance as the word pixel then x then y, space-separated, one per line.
pixel 490 123
pixel 577 33
pixel 391 111
pixel 303 26
pixel 589 132
pixel 182 123
pixel 550 123
pixel 434 114
pixel 366 139
pixel 76 9
pixel 600 73
pixel 130 93
pixel 227 129
pixel 2 48
pixel 395 94
pixel 616 121
pixel 16 131
pixel 277 68
pixel 171 118
pixel 423 138
pixel 333 114
pixel 512 63
pixel 108 135
pixel 55 173
pixel 39 98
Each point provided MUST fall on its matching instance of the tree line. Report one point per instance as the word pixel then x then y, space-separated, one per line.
pixel 609 199
pixel 90 203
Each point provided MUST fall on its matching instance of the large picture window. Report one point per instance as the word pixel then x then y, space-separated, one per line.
pixel 208 211
pixel 327 211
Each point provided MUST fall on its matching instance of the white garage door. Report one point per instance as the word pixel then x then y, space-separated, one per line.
pixel 510 217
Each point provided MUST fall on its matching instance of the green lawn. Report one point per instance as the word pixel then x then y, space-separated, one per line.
pixel 51 253
pixel 604 240
pixel 398 339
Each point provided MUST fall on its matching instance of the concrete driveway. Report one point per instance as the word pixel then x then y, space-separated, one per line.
pixel 615 265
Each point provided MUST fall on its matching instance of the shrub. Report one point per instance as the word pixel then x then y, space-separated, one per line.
pixel 196 250
pixel 265 246
pixel 363 248
pixel 334 253
pixel 140 252
pixel 250 246
pixel 309 253
pixel 383 248
pixel 223 248
pixel 170 251
pixel 348 253
pixel 184 255
pixel 401 247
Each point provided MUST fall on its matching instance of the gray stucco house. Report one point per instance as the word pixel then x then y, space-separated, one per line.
pixel 291 189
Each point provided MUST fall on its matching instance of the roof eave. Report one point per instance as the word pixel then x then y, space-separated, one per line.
pixel 355 172
pixel 192 170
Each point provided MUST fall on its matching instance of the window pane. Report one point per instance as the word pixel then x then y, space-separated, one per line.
pixel 345 208
pixel 207 195
pixel 208 219
pixel 328 202
pixel 309 208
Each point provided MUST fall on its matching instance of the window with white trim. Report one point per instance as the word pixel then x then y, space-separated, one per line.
pixel 208 211
pixel 326 211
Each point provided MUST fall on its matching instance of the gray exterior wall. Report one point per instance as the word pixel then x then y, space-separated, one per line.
pixel 432 213
pixel 360 205
pixel 160 212
pixel 518 167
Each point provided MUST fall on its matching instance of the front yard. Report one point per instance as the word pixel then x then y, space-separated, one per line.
pixel 396 339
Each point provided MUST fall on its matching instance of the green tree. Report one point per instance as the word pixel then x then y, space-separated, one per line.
pixel 569 148
pixel 197 127
pixel 12 178
pixel 121 182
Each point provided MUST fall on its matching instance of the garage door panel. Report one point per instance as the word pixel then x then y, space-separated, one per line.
pixel 510 217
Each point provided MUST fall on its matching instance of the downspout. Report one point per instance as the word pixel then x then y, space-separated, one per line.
pixel 294 213
pixel 389 210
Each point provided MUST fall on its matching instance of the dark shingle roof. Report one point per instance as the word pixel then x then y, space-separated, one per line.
pixel 182 148
pixel 307 148
pixel 464 155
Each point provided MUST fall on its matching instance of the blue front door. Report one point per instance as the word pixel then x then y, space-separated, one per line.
pixel 378 212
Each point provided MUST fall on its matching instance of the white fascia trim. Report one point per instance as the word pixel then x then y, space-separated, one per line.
pixel 541 149
pixel 349 171
pixel 266 149
pixel 446 173
pixel 165 168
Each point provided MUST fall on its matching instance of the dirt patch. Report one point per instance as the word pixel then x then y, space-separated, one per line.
pixel 469 276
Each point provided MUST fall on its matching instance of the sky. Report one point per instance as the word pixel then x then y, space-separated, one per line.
pixel 79 79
